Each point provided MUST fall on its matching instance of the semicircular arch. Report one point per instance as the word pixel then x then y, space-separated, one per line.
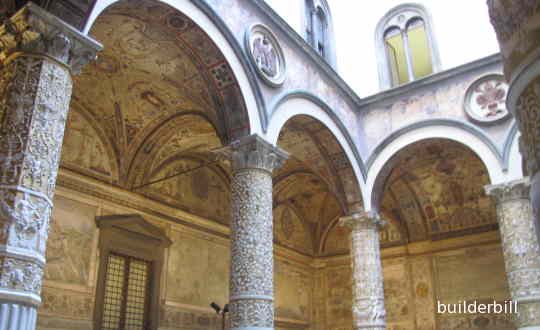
pixel 379 164
pixel 301 103
pixel 217 31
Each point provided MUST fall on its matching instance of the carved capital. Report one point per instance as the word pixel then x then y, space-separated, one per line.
pixel 36 31
pixel 509 191
pixel 363 220
pixel 254 152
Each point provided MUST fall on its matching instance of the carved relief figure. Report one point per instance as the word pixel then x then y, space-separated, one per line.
pixel 265 56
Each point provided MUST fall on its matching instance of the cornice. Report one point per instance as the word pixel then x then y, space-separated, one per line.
pixel 431 80
pixel 69 181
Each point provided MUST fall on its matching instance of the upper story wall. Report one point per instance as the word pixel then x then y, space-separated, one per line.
pixel 461 30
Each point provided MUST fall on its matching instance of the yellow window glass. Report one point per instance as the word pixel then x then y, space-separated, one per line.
pixel 395 49
pixel 419 48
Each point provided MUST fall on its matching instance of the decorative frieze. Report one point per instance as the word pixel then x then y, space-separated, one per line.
pixel 33 30
pixel 368 291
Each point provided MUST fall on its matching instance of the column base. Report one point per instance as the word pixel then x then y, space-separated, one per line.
pixel 14 316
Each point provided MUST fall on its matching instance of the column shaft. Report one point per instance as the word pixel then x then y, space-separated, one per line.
pixel 520 248
pixel 368 293
pixel 35 86
pixel 252 261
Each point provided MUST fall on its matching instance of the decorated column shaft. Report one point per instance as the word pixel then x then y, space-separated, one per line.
pixel 520 248
pixel 368 290
pixel 517 25
pixel 37 54
pixel 252 260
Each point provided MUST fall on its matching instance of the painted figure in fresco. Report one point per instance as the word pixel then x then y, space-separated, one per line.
pixel 265 56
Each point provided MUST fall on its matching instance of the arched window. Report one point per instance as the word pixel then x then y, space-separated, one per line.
pixel 318 28
pixel 406 48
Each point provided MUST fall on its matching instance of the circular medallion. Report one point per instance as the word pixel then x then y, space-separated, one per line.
pixel 485 100
pixel 266 54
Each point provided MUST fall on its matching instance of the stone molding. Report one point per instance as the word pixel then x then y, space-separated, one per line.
pixel 253 152
pixel 508 191
pixel 363 220
pixel 34 30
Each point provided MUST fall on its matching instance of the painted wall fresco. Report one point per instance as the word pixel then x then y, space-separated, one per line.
pixel 197 271
pixel 70 247
pixel 204 192
pixel 474 274
pixel 291 231
pixel 436 190
pixel 412 285
pixel 67 296
pixel 293 291
pixel 83 150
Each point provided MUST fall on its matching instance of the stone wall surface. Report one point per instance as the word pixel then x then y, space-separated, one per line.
pixel 413 285
pixel 196 272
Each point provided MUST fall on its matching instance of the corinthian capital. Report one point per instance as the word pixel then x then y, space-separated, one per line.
pixel 508 191
pixel 34 30
pixel 363 220
pixel 254 152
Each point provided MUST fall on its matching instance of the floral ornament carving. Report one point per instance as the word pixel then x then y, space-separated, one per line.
pixel 38 53
pixel 21 275
pixel 252 264
pixel 520 247
pixel 368 291
pixel 516 29
pixel 485 100
pixel 34 30
pixel 527 112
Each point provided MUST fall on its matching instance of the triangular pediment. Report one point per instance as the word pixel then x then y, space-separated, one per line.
pixel 133 223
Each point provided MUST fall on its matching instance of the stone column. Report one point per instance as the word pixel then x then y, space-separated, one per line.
pixel 520 248
pixel 38 52
pixel 252 261
pixel 368 293
pixel 516 24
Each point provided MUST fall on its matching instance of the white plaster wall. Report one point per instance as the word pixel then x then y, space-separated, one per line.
pixel 461 27
pixel 292 11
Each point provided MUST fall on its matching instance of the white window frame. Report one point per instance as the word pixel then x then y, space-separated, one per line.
pixel 399 17
pixel 313 8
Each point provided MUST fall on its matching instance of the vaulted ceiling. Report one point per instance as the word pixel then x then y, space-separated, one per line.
pixel 161 97
pixel 434 190
pixel 317 185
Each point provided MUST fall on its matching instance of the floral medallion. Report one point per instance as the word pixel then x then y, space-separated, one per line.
pixel 485 100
